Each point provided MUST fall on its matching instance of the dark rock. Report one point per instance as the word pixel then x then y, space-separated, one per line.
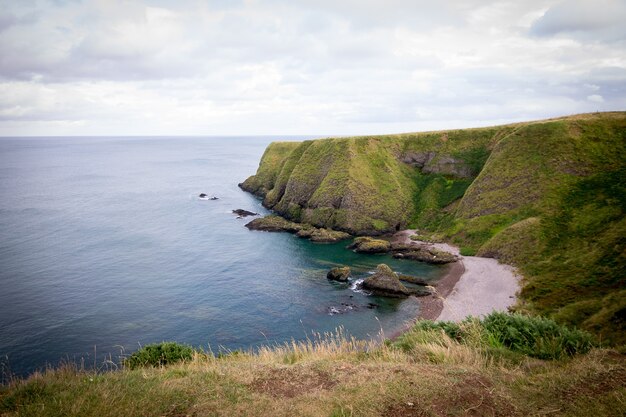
pixel 418 292
pixel 244 213
pixel 372 305
pixel 202 195
pixel 344 308
pixel 213 198
pixel 339 274
pixel 418 159
pixel 385 282
pixel 366 244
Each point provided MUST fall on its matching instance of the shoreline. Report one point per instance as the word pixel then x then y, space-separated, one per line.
pixel 472 286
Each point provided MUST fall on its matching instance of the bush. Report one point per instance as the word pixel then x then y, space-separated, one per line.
pixel 466 251
pixel 452 329
pixel 537 336
pixel 159 354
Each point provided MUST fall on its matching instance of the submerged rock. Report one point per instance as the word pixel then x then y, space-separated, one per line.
pixel 343 308
pixel 244 213
pixel 339 274
pixel 366 244
pixel 385 282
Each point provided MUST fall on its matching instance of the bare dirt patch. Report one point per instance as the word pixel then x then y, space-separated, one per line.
pixel 474 395
pixel 597 384
pixel 292 382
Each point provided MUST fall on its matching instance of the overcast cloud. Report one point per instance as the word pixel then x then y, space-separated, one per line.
pixel 323 67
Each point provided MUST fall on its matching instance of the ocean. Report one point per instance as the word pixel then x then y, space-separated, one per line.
pixel 106 247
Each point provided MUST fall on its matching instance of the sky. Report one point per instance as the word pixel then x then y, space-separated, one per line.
pixel 303 67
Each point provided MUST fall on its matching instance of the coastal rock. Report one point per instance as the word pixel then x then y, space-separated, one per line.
pixel 385 282
pixel 370 245
pixel 419 292
pixel 273 223
pixel 322 235
pixel 428 255
pixel 412 280
pixel 339 274
pixel 305 233
pixel 244 213
pixel 404 247
pixel 328 236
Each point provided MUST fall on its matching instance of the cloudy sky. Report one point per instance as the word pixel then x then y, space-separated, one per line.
pixel 321 67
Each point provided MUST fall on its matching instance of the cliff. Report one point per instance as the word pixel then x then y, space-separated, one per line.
pixel 368 185
pixel 547 196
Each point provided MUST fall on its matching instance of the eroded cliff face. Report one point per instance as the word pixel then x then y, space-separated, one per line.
pixel 353 185
pixel 369 185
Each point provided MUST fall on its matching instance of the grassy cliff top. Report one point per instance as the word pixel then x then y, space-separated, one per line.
pixel 547 196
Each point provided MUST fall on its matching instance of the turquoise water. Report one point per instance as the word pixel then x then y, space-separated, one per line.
pixel 105 246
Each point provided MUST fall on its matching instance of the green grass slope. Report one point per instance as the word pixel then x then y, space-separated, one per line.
pixel 547 196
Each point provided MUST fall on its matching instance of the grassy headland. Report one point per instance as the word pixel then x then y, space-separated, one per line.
pixel 548 197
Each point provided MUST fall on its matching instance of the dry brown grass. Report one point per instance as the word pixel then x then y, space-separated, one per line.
pixel 334 375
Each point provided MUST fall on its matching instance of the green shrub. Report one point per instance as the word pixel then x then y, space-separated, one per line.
pixel 538 337
pixel 159 354
pixel 465 251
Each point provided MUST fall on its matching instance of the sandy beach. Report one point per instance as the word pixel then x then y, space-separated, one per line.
pixel 473 286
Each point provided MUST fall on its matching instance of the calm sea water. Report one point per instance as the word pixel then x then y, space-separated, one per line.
pixel 105 246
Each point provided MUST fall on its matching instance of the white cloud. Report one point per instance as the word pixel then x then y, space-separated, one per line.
pixel 584 18
pixel 319 67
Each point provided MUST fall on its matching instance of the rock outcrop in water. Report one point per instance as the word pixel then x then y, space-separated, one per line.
pixel 244 213
pixel 385 282
pixel 273 223
pixel 427 254
pixel 339 274
pixel 369 245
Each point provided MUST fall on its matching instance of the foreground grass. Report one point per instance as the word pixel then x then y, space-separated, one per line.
pixel 424 373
